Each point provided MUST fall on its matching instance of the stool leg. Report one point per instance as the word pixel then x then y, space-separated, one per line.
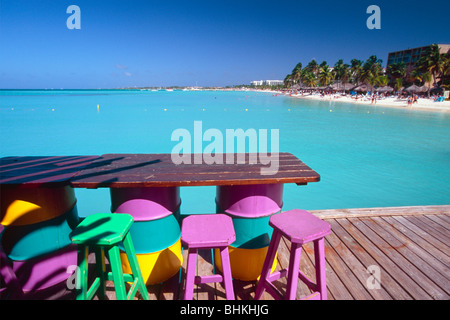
pixel 82 275
pixel 101 270
pixel 226 270
pixel 292 277
pixel 190 274
pixel 319 257
pixel 134 265
pixel 9 277
pixel 117 273
pixel 268 262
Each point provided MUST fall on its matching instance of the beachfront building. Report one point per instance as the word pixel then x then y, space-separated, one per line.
pixel 256 83
pixel 267 82
pixel 411 56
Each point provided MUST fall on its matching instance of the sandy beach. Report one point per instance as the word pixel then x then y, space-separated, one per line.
pixel 421 104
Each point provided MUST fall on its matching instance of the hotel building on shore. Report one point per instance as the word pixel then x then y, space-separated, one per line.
pixel 411 56
pixel 266 82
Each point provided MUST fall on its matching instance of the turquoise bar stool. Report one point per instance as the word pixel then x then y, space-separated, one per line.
pixel 104 232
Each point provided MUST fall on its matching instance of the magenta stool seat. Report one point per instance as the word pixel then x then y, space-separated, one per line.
pixel 299 227
pixel 208 231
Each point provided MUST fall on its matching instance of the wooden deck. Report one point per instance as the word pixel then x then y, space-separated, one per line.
pixel 408 245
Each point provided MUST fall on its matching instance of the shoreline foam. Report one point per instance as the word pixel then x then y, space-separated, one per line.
pixel 392 102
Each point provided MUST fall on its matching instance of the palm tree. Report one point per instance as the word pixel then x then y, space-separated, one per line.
pixel 372 68
pixel 398 84
pixel 297 73
pixel 341 71
pixel 367 76
pixel 396 70
pixel 426 78
pixel 313 66
pixel 309 78
pixel 415 76
pixel 445 79
pixel 382 80
pixel 325 75
pixel 356 69
pixel 433 62
pixel 288 80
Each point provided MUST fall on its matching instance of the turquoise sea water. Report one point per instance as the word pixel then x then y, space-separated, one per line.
pixel 367 156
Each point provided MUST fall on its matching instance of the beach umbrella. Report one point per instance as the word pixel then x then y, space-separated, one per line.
pixel 385 89
pixel 363 88
pixel 348 86
pixel 415 89
pixel 343 86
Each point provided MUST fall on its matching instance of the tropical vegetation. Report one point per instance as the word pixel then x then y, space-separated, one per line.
pixel 432 70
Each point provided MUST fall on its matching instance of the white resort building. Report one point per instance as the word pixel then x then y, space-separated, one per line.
pixel 266 82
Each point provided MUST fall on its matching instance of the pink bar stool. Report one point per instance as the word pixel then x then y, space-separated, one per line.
pixel 300 227
pixel 208 231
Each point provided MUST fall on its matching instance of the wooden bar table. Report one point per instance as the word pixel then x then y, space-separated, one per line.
pixel 147 187
pixel 38 211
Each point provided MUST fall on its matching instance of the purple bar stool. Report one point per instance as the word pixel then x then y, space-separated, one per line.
pixel 208 231
pixel 300 227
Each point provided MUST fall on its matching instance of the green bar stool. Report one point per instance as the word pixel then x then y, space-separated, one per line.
pixel 103 232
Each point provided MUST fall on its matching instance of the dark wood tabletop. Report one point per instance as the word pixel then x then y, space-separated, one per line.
pixel 158 170
pixel 37 171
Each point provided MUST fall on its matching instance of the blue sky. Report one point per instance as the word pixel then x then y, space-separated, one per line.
pixel 205 43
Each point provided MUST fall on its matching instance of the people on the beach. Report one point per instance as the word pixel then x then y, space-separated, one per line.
pixel 374 98
pixel 410 101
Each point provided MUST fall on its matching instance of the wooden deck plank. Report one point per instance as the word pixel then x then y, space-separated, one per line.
pixel 441 221
pixel 411 243
pixel 415 238
pixel 383 211
pixel 355 288
pixel 356 266
pixel 425 224
pixel 445 217
pixel 437 226
pixel 431 279
pixel 425 284
pixel 384 260
pixel 426 236
pixel 388 284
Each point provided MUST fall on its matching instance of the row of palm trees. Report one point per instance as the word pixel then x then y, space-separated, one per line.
pixel 431 69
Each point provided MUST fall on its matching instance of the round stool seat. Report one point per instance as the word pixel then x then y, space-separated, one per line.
pixel 207 231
